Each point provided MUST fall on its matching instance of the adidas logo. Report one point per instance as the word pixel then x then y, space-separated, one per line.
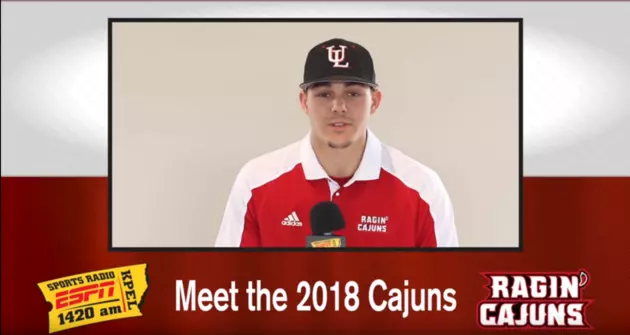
pixel 292 220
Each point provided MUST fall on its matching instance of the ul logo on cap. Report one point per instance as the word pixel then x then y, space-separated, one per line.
pixel 337 56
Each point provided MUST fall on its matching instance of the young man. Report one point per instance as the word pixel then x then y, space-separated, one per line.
pixel 386 198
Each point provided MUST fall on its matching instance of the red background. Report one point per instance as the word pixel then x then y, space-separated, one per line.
pixel 55 227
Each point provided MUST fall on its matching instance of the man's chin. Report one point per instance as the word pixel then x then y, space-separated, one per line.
pixel 339 144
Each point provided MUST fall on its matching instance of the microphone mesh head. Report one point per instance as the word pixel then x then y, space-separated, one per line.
pixel 326 217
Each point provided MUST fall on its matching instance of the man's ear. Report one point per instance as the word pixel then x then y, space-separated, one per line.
pixel 302 96
pixel 377 97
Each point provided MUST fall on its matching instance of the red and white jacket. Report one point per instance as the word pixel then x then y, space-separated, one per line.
pixel 391 201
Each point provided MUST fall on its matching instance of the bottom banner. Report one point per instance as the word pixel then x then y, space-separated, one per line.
pixel 571 274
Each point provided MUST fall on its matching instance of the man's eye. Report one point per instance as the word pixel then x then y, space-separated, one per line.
pixel 323 95
pixel 354 94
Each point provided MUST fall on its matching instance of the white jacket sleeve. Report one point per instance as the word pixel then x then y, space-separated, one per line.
pixel 238 227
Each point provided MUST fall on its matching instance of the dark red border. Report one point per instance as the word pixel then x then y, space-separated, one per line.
pixel 55 227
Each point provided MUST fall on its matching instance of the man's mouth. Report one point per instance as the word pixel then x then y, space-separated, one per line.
pixel 338 124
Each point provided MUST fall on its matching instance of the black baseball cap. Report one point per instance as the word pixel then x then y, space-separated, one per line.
pixel 339 60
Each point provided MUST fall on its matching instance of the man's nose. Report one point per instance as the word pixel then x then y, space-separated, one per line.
pixel 339 106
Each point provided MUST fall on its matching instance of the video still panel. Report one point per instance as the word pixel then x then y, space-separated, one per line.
pixel 315 135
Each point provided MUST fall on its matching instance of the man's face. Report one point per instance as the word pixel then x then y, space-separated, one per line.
pixel 339 111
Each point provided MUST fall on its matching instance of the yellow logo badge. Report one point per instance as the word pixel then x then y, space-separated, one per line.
pixel 334 242
pixel 93 297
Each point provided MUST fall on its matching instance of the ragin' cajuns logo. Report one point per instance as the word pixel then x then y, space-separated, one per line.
pixel 535 301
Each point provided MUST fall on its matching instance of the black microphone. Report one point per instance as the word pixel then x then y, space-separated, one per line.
pixel 326 218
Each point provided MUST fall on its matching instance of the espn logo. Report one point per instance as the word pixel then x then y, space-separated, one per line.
pixel 83 294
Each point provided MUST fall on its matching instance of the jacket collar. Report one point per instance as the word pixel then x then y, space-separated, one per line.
pixel 369 168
